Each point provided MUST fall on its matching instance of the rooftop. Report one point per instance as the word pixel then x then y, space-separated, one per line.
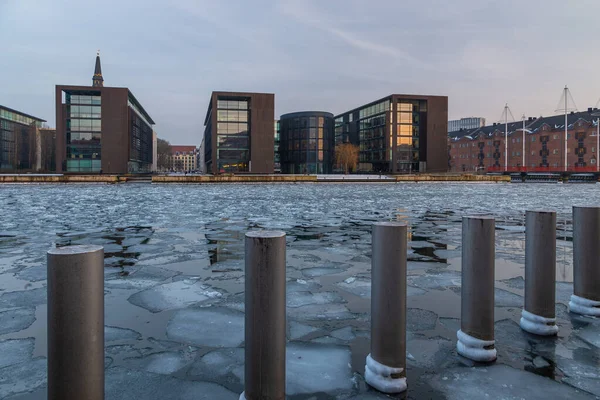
pixel 21 113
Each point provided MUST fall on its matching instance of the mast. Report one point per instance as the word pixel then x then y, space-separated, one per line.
pixel 566 125
pixel 523 163
pixel 506 137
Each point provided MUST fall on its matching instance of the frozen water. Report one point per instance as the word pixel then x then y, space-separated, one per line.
pixel 23 377
pixel 126 384
pixel 162 363
pixel 314 272
pixel 436 280
pixel 320 312
pixel 317 368
pixel 15 351
pixel 299 299
pixel 420 320
pixel 113 333
pixel 219 363
pixel 590 335
pixel 16 320
pixel 297 330
pixel 500 382
pixel 343 333
pixel 301 285
pixel 430 353
pixel 174 295
pixel 357 286
pixel 213 327
pixel 23 298
pixel 140 278
pixel 503 298
pixel 515 283
pixel 34 274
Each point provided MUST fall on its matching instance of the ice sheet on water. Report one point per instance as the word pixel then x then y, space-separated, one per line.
pixel 320 271
pixel 317 368
pixel 140 278
pixel 212 327
pixel 218 364
pixel 33 274
pixel 24 377
pixel 503 298
pixel 298 330
pixel 164 363
pixel 358 286
pixel 564 290
pixel 301 285
pixel 418 320
pixel 320 312
pixel 343 333
pixel 299 299
pixel 15 351
pixel 16 320
pixel 591 333
pixel 113 333
pixel 500 382
pixel 430 353
pixel 174 295
pixel 515 283
pixel 434 279
pixel 23 298
pixel 126 384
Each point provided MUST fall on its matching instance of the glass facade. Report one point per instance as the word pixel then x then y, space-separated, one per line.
pixel 277 158
pixel 84 132
pixel 233 135
pixel 307 141
pixel 17 140
pixel 388 134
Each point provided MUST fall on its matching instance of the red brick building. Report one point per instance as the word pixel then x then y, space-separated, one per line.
pixel 482 149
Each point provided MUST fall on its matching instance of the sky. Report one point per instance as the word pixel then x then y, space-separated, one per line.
pixel 326 55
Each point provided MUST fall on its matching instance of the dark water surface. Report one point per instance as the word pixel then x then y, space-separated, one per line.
pixel 174 286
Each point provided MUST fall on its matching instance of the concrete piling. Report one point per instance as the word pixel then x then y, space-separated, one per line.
pixel 538 315
pixel 76 323
pixel 476 334
pixel 385 368
pixel 586 261
pixel 265 324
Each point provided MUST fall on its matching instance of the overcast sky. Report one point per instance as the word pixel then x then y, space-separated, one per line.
pixel 330 55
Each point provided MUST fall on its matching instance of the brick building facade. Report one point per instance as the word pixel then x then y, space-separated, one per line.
pixel 483 149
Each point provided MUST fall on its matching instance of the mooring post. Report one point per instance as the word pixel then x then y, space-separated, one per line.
pixel 586 261
pixel 476 334
pixel 539 315
pixel 76 323
pixel 265 316
pixel 385 368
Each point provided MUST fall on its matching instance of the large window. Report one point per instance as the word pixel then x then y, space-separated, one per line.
pixel 233 135
pixel 84 133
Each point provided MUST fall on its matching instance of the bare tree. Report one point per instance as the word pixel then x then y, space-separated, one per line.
pixel 163 154
pixel 346 156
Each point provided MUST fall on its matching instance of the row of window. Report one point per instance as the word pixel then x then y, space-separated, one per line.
pixel 19 118
pixel 374 109
pixel 232 116
pixel 85 111
pixel 232 129
pixel 92 125
pixel 515 140
pixel 79 165
pixel 311 144
pixel 304 122
pixel 232 104
pixel 81 99
pixel 311 133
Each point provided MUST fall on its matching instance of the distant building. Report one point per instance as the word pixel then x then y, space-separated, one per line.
pixel 307 142
pixel 46 153
pixel 154 151
pixel 184 158
pixel 102 129
pixel 238 133
pixel 466 123
pixel 398 133
pixel 276 155
pixel 20 147
pixel 483 149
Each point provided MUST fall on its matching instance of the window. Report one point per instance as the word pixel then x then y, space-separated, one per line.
pixel 533 139
pixel 518 140
pixel 533 153
pixel 555 137
pixel 568 136
pixel 593 149
pixel 593 161
pixel 555 151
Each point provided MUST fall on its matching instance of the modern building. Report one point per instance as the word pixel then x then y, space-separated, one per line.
pixel 154 152
pixel 307 142
pixel 465 123
pixel 538 148
pixel 101 129
pixel 184 158
pixel 276 155
pixel 398 134
pixel 19 141
pixel 238 133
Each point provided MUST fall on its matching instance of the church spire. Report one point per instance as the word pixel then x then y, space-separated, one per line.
pixel 97 80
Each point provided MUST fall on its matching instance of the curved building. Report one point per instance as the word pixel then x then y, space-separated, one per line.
pixel 307 142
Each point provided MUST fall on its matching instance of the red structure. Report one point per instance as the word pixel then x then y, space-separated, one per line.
pixel 482 149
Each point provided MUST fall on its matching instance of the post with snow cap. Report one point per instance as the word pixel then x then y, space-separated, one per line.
pixel 476 334
pixel 76 323
pixel 538 315
pixel 386 365
pixel 265 316
pixel 586 261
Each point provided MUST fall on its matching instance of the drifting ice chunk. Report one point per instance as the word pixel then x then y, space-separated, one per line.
pixel 24 377
pixel 299 299
pixel 300 285
pixel 141 278
pixel 320 312
pixel 34 274
pixel 314 272
pixel 14 351
pixel 500 382
pixel 343 333
pixel 420 320
pixel 317 368
pixel 23 298
pixel 125 384
pixel 173 295
pixel 219 363
pixel 436 280
pixel 358 286
pixel 16 320
pixel 113 333
pixel 215 327
pixel 503 298
pixel 297 330
pixel 162 363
